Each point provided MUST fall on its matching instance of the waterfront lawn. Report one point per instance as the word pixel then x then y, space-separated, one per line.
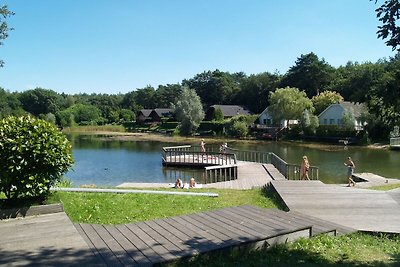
pixel 357 249
pixel 107 208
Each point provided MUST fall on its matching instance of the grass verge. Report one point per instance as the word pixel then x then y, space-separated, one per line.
pixel 106 208
pixel 357 249
pixel 385 187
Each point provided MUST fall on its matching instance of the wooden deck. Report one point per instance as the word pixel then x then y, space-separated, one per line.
pixel 151 242
pixel 361 209
pixel 45 240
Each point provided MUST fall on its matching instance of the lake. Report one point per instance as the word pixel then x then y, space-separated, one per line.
pixel 109 163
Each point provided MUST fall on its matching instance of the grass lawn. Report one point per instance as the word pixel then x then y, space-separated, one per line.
pixel 385 187
pixel 106 208
pixel 357 249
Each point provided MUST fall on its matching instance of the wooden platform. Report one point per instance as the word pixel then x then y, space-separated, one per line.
pixel 250 175
pixel 361 209
pixel 45 240
pixel 163 240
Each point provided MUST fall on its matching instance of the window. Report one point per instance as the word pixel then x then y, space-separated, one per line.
pixel 331 121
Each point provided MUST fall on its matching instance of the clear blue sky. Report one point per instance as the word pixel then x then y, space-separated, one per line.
pixel 98 46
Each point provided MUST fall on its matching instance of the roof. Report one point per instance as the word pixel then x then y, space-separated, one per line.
pixel 145 112
pixel 162 112
pixel 232 110
pixel 356 108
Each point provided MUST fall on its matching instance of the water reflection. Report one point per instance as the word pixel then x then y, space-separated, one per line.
pixel 102 161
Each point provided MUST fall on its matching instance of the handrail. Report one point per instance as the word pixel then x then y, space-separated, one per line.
pixel 190 155
pixel 395 141
pixel 224 173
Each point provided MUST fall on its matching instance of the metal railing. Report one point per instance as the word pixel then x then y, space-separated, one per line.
pixel 395 141
pixel 223 166
pixel 215 174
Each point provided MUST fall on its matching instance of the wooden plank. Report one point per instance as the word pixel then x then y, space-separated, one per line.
pixel 114 246
pixel 146 250
pixel 147 238
pixel 100 245
pixel 90 244
pixel 130 249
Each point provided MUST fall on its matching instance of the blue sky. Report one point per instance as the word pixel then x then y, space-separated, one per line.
pixel 97 46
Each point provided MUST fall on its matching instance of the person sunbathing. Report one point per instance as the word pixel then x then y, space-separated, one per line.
pixel 178 183
pixel 192 183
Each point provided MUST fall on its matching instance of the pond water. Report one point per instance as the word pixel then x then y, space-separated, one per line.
pixel 109 163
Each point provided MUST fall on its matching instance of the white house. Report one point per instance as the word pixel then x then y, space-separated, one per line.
pixel 333 115
pixel 265 118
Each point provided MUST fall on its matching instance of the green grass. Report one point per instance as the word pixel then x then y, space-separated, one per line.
pixel 350 250
pixel 106 208
pixel 385 187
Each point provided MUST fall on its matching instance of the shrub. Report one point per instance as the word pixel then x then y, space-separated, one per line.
pixel 34 155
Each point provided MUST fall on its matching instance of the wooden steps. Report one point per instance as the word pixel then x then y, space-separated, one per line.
pixel 163 240
pixel 351 207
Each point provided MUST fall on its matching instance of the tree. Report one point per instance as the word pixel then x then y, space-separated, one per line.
pixel 41 101
pixel 325 99
pixel 166 95
pixel 389 14
pixel 255 89
pixel 348 120
pixel 9 104
pixel 34 155
pixel 288 104
pixel 188 110
pixel 145 97
pixel 4 29
pixel 218 115
pixel 215 87
pixel 309 74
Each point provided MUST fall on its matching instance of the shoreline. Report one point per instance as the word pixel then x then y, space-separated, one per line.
pixel 128 136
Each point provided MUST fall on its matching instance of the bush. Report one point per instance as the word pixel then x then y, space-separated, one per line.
pixel 34 155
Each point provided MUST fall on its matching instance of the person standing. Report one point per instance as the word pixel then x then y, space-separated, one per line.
pixel 350 170
pixel 304 167
pixel 202 146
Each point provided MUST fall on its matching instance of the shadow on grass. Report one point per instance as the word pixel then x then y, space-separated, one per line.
pixel 279 255
pixel 268 191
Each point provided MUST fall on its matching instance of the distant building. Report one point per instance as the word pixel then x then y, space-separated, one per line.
pixel 143 115
pixel 228 111
pixel 265 119
pixel 158 113
pixel 333 115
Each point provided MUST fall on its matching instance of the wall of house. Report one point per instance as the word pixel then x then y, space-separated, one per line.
pixel 332 116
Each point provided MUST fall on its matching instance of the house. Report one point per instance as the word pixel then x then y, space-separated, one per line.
pixel 227 110
pixel 333 115
pixel 143 115
pixel 265 119
pixel 158 113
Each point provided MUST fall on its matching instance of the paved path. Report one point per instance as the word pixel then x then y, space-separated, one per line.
pixel 45 240
pixel 362 209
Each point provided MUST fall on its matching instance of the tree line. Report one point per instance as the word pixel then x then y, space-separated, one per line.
pixel 375 84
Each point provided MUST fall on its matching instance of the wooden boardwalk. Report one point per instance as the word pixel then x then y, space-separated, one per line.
pixel 162 240
pixel 250 175
pixel 361 209
pixel 45 240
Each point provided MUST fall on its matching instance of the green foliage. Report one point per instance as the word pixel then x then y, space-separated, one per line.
pixel 309 123
pixel 335 131
pixel 389 14
pixel 41 101
pixel 325 99
pixel 189 111
pixel 127 115
pixel 348 120
pixel 218 115
pixel 34 155
pixel 239 129
pixel 79 113
pixel 4 29
pixel 309 74
pixel 288 104
pixel 9 104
